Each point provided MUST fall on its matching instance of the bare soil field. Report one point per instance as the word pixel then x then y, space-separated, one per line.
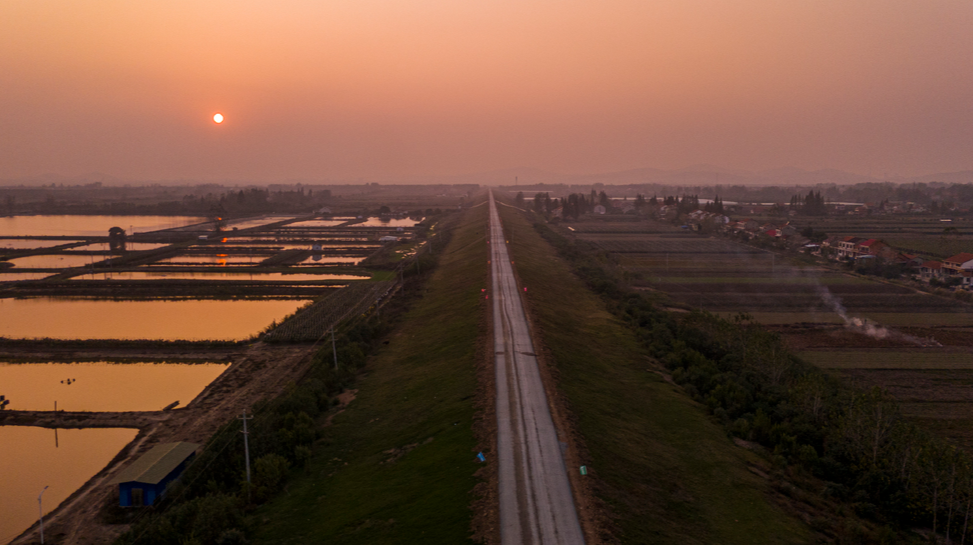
pixel 917 385
pixel 802 288
pixel 916 345
pixel 888 359
pixel 823 337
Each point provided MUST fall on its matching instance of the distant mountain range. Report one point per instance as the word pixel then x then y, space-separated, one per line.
pixel 695 175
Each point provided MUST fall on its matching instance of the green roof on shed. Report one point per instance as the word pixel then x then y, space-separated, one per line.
pixel 154 465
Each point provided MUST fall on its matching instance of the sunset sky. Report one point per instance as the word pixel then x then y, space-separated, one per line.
pixel 393 89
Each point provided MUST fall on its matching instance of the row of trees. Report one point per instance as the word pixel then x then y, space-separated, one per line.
pixel 811 204
pixel 578 204
pixel 572 206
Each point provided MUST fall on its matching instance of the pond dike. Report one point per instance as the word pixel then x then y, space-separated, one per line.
pixel 83 419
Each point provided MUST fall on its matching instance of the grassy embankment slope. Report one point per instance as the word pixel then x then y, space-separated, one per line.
pixel 667 473
pixel 397 466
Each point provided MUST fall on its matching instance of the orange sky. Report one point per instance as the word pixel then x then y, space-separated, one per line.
pixel 389 89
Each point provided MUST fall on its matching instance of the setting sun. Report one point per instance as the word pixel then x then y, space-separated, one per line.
pixel 218 118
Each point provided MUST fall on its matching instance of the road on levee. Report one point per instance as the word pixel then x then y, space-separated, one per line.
pixel 536 505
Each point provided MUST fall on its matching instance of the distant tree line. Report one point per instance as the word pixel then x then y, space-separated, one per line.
pixel 811 204
pixel 232 203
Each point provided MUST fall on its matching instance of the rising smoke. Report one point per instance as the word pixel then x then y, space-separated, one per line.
pixel 865 327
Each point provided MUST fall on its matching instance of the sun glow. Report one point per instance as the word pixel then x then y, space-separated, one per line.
pixel 218 118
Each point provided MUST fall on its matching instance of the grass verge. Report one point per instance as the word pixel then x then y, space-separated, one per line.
pixel 663 469
pixel 397 466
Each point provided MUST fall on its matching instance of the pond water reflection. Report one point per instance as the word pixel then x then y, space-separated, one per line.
pixel 316 223
pixel 318 259
pixel 77 318
pixel 216 259
pixel 388 222
pixel 8 276
pixel 57 261
pixel 30 244
pixel 31 461
pixel 103 386
pixel 129 246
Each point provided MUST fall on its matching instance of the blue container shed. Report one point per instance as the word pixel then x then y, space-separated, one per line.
pixel 144 482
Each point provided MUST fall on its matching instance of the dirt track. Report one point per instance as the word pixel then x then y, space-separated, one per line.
pixel 261 371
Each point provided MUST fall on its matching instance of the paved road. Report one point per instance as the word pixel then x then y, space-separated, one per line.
pixel 536 506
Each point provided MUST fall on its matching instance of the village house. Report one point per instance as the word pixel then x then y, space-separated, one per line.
pixel 931 269
pixel 870 247
pixel 667 213
pixel 960 266
pixel 910 261
pixel 956 264
pixel 697 219
pixel 847 247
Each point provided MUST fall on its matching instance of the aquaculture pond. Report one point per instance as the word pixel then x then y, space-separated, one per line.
pixel 383 222
pixel 29 243
pixel 317 223
pixel 129 246
pixel 221 260
pixel 318 259
pixel 88 225
pixel 248 223
pixel 221 275
pixel 7 275
pixel 104 386
pixel 80 318
pixel 61 460
pixel 267 245
pixel 56 261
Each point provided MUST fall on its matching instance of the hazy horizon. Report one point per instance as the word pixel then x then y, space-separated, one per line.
pixel 397 91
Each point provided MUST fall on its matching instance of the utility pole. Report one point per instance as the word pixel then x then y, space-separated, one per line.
pixel 40 510
pixel 246 449
pixel 334 349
